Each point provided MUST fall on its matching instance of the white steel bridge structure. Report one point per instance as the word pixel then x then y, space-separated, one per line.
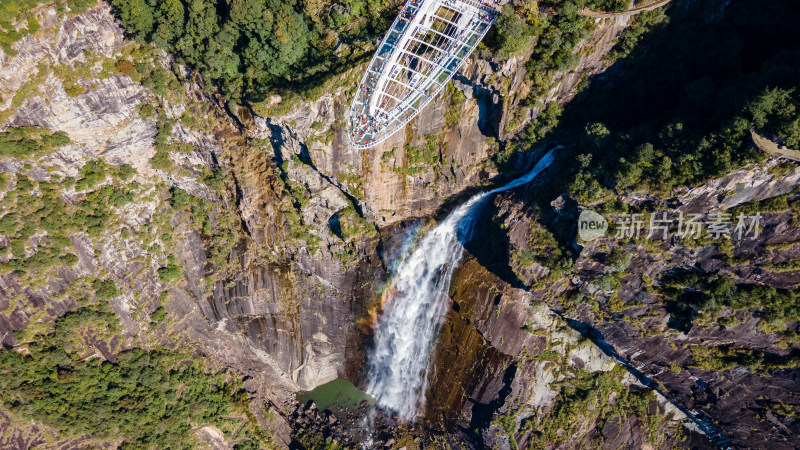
pixel 425 46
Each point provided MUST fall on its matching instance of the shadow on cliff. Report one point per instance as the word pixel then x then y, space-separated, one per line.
pixel 489 244
pixel 688 77
pixel 482 414
pixel 279 140
pixel 692 76
pixel 486 240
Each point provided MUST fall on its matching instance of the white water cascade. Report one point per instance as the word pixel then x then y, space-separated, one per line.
pixel 397 367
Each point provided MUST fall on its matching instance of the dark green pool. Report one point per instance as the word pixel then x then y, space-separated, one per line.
pixel 339 392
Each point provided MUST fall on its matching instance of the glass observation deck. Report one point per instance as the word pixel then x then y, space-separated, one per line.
pixel 425 46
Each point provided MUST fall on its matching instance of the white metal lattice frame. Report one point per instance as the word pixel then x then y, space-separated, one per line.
pixel 425 46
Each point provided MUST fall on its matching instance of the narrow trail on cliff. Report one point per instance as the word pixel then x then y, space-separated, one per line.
pixel 398 365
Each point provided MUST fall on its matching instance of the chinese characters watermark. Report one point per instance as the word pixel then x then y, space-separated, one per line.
pixel 661 224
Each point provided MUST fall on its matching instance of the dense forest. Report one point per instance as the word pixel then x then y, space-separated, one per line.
pixel 250 48
pixel 141 399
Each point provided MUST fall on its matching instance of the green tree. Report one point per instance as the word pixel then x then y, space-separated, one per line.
pixel 598 134
pixel 136 16
pixel 512 35
pixel 105 289
pixel 171 20
pixel 291 38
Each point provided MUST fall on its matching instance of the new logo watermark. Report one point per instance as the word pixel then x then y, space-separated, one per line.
pixel 591 225
pixel 660 225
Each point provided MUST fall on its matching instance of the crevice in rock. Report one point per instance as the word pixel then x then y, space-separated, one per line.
pixel 482 413
pixel 279 141
pixel 698 418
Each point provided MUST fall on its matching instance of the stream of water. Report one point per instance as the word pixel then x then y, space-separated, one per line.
pixel 398 365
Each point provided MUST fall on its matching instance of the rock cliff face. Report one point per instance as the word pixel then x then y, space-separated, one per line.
pixel 103 120
pixel 287 315
pixel 642 328
pixel 282 261
pixel 512 358
pixel 409 176
pixel 447 149
pixel 84 118
pixel 282 310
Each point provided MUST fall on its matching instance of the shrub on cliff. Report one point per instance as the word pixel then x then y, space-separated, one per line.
pixel 512 35
pixel 25 142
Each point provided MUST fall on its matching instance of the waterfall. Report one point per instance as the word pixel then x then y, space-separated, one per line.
pixel 397 367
